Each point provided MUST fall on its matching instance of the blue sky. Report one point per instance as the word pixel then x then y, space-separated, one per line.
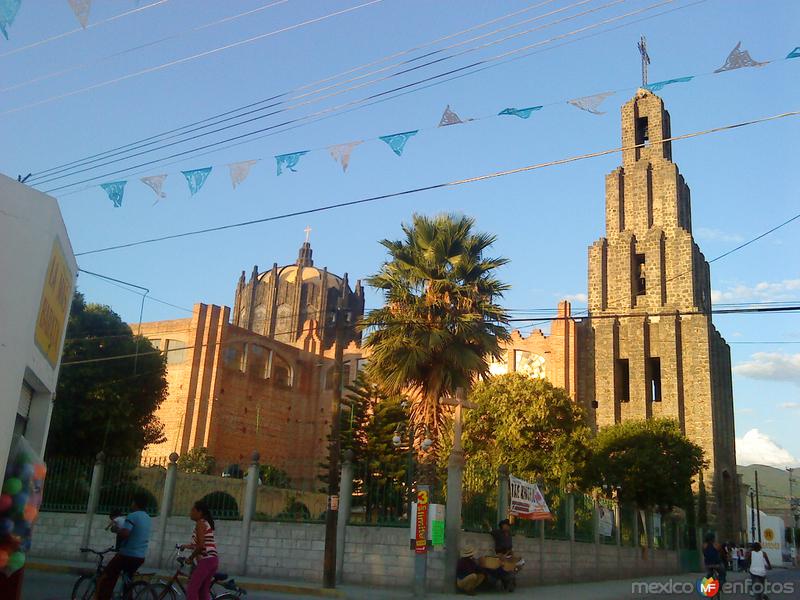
pixel 743 182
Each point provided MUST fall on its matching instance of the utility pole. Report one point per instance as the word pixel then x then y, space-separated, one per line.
pixel 332 514
pixel 793 508
pixel 752 516
pixel 758 510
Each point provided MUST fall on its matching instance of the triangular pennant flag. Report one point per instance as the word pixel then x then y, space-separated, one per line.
pixel 8 12
pixel 738 59
pixel 591 103
pixel 155 182
pixel 81 9
pixel 341 153
pixel 196 178
pixel 659 85
pixel 793 54
pixel 449 118
pixel 115 191
pixel 288 161
pixel 240 170
pixel 397 141
pixel 522 113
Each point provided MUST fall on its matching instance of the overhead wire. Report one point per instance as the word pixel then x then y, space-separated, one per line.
pixel 330 109
pixel 180 34
pixel 454 183
pixel 59 174
pixel 92 25
pixel 299 88
pixel 186 59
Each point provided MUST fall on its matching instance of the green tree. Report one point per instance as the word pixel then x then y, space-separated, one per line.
pixel 102 404
pixel 651 461
pixel 197 460
pixel 440 323
pixel 274 477
pixel 530 425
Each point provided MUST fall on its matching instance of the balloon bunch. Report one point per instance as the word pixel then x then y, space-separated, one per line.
pixel 19 505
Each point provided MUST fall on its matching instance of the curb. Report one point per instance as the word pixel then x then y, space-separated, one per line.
pixel 255 586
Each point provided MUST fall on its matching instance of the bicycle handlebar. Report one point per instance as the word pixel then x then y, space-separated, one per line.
pixel 99 553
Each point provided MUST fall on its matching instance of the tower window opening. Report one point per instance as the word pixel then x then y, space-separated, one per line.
pixel 641 275
pixel 655 379
pixel 623 380
pixel 642 132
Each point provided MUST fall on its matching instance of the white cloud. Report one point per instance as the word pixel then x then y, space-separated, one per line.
pixel 759 449
pixel 580 297
pixel 716 235
pixel 790 405
pixel 765 291
pixel 745 411
pixel 772 366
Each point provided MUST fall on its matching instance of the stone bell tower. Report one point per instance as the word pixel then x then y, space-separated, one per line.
pixel 653 350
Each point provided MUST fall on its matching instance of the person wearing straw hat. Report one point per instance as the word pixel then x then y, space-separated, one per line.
pixel 468 574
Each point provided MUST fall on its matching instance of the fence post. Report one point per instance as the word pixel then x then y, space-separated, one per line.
pixel 541 552
pixel 249 511
pixel 637 544
pixel 345 500
pixel 94 498
pixel 618 534
pixel 596 533
pixel 166 507
pixel 571 527
pixel 502 493
pixel 455 479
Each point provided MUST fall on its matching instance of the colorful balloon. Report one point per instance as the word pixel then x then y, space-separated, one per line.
pixel 16 561
pixel 5 502
pixel 20 500
pixel 3 559
pixel 26 472
pixel 6 526
pixel 30 513
pixel 12 486
pixel 39 471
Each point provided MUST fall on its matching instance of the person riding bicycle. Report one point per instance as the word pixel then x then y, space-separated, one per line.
pixel 713 557
pixel 204 550
pixel 135 536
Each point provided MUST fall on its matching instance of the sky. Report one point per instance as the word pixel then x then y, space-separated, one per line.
pixel 141 82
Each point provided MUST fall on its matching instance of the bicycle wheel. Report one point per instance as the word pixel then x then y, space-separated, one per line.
pixel 84 588
pixel 227 596
pixel 162 591
pixel 139 590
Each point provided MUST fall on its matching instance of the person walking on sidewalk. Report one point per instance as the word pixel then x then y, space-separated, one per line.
pixel 713 557
pixel 134 536
pixel 468 574
pixel 204 551
pixel 759 565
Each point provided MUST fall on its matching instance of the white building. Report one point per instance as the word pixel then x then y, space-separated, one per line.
pixel 37 280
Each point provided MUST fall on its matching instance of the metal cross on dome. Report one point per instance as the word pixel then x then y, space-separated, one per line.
pixel 308 232
pixel 642 45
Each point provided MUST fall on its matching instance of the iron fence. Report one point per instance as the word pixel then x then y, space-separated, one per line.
pixel 66 486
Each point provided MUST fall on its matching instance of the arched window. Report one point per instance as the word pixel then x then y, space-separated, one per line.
pixel 282 373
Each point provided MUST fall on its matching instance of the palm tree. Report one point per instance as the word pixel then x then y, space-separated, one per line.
pixel 440 324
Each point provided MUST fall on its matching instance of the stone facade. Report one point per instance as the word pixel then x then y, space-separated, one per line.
pixel 649 348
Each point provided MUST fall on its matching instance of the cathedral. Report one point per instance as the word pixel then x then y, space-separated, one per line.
pixel 260 377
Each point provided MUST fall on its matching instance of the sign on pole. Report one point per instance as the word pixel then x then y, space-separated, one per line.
pixel 606 520
pixel 527 502
pixel 421 522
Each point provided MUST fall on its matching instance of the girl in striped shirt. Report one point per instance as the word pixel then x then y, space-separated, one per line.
pixel 204 551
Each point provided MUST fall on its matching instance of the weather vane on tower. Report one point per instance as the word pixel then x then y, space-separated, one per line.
pixel 645 59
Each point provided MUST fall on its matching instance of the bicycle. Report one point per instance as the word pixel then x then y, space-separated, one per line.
pixel 84 587
pixel 173 589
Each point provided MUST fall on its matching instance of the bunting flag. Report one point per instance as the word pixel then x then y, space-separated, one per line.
pixel 196 178
pixel 738 59
pixel 115 191
pixel 240 170
pixel 591 103
pixel 81 9
pixel 289 161
pixel 155 182
pixel 522 113
pixel 793 54
pixel 8 12
pixel 659 85
pixel 397 141
pixel 449 118
pixel 341 153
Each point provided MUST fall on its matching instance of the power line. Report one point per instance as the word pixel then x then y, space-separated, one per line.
pixel 438 186
pixel 178 35
pixel 185 59
pixel 81 29
pixel 48 178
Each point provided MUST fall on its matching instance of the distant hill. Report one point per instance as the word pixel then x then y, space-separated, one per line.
pixel 773 485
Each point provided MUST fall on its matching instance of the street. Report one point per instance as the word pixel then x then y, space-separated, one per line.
pixel 57 586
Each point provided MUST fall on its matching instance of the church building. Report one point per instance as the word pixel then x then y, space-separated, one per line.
pixel 261 377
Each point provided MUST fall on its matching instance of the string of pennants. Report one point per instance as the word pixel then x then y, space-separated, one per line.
pixel 10 8
pixel 341 153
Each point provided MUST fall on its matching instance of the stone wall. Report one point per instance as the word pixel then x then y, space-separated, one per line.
pixel 373 556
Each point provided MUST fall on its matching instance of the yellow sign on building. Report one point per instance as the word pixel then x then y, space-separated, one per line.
pixel 56 299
